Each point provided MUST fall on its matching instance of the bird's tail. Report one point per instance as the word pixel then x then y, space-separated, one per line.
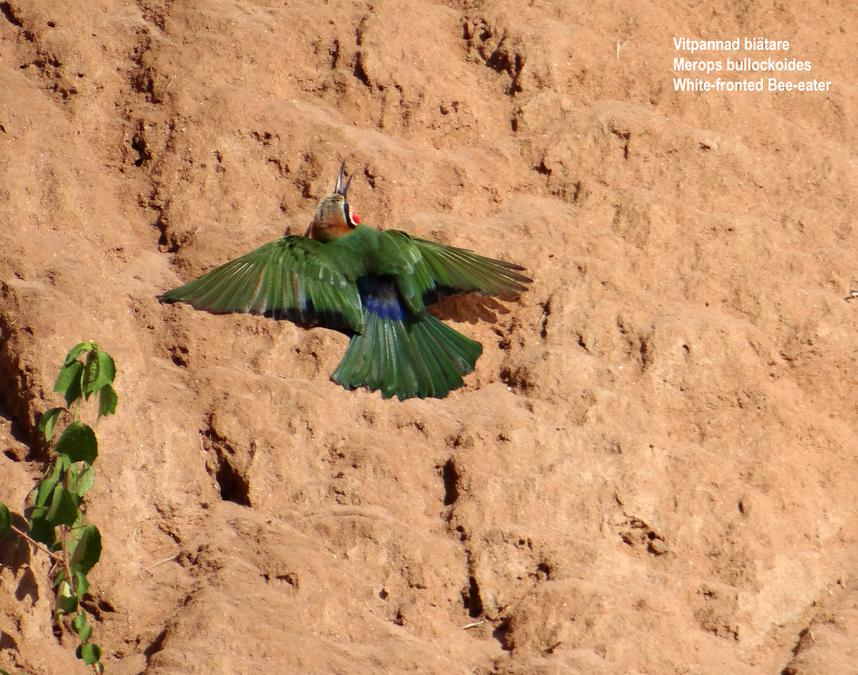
pixel 406 356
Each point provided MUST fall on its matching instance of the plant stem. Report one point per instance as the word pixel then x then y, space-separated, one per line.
pixel 53 556
pixel 64 530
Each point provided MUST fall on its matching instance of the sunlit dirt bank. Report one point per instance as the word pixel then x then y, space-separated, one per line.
pixel 652 469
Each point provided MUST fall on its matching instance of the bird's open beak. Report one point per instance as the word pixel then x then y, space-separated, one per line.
pixel 342 189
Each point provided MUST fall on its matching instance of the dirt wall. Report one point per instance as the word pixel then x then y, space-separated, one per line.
pixel 652 469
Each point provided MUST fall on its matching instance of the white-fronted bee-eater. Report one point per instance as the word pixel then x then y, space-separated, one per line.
pixel 371 284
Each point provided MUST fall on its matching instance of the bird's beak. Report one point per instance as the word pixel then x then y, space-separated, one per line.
pixel 341 189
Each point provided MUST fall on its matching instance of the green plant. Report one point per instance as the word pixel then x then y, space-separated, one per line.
pixel 56 521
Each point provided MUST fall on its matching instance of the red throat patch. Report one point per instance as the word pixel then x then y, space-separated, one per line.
pixel 356 219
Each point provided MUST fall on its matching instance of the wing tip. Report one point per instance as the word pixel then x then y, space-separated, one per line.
pixel 169 297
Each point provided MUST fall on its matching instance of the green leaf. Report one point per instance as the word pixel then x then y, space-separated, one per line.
pixel 79 621
pixel 107 400
pixel 40 529
pixel 69 381
pixel 71 476
pixel 63 510
pixel 65 600
pixel 85 633
pixel 38 512
pixel 46 489
pixel 81 584
pixel 5 520
pixel 78 443
pixel 90 653
pixel 47 485
pixel 99 371
pixel 79 349
pixel 48 421
pixel 83 481
pixel 66 604
pixel 81 626
pixel 59 578
pixel 107 366
pixel 85 548
pixel 72 480
pixel 90 373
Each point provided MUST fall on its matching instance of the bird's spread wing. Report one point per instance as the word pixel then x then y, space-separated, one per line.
pixel 293 278
pixel 429 266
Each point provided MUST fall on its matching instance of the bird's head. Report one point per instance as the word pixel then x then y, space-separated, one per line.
pixel 334 217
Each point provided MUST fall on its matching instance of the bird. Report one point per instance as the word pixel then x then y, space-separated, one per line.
pixel 372 284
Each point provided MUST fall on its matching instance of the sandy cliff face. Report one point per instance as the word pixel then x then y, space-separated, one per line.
pixel 653 468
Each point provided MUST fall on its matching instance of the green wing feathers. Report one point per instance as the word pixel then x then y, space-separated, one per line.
pixel 406 358
pixel 464 270
pixel 371 284
pixel 292 278
pixel 422 267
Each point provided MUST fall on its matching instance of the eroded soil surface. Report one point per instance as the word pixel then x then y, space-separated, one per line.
pixel 652 469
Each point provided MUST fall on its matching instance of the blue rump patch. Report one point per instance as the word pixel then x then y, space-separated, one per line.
pixel 379 296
